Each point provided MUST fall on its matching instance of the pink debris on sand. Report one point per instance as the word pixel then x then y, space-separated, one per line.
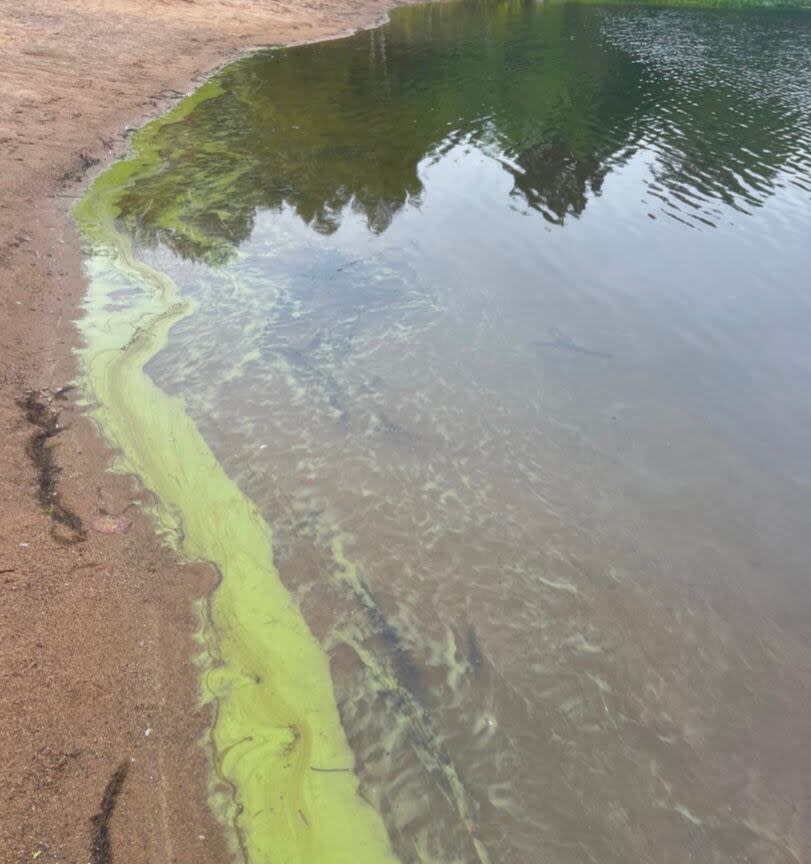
pixel 106 524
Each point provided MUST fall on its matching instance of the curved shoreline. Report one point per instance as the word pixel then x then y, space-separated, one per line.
pixel 100 633
pixel 275 713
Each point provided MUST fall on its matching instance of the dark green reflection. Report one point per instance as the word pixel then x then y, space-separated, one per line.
pixel 559 93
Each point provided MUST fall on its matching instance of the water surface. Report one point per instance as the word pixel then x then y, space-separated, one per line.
pixel 501 318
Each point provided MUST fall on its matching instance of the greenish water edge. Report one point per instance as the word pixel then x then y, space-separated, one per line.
pixel 275 717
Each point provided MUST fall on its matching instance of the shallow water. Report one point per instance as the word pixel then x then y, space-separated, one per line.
pixel 501 317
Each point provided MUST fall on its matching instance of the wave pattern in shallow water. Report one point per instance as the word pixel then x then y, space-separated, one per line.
pixel 533 450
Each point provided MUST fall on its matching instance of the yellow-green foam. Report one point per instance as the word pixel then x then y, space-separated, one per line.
pixel 275 717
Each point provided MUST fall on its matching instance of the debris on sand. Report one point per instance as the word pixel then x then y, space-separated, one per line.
pixel 107 524
pixel 37 406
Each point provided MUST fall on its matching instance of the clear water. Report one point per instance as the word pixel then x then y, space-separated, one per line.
pixel 503 318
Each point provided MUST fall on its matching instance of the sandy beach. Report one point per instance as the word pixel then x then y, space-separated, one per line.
pixel 101 753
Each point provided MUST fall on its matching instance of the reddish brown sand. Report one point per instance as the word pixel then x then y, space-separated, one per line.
pixel 96 633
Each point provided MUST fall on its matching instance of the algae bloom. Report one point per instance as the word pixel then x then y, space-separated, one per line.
pixel 276 721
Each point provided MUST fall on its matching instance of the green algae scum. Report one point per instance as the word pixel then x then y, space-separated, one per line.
pixel 472 352
pixel 277 738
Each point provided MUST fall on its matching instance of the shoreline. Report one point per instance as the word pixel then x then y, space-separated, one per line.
pixel 100 699
pixel 274 711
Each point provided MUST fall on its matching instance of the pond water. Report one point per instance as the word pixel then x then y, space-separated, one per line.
pixel 501 318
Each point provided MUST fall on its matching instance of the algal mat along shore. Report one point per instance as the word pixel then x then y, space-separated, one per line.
pixel 284 783
pixel 100 699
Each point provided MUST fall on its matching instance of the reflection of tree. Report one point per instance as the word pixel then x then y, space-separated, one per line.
pixel 346 124
pixel 733 103
pixel 554 181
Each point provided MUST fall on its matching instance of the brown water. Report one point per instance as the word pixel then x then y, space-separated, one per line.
pixel 503 320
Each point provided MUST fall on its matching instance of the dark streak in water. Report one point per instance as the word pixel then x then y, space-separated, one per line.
pixel 420 729
pixel 563 343
pixel 474 652
pixel 408 674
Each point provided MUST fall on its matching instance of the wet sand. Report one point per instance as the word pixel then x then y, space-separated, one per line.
pixel 96 627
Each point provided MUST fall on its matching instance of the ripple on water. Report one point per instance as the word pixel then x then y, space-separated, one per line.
pixel 501 320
